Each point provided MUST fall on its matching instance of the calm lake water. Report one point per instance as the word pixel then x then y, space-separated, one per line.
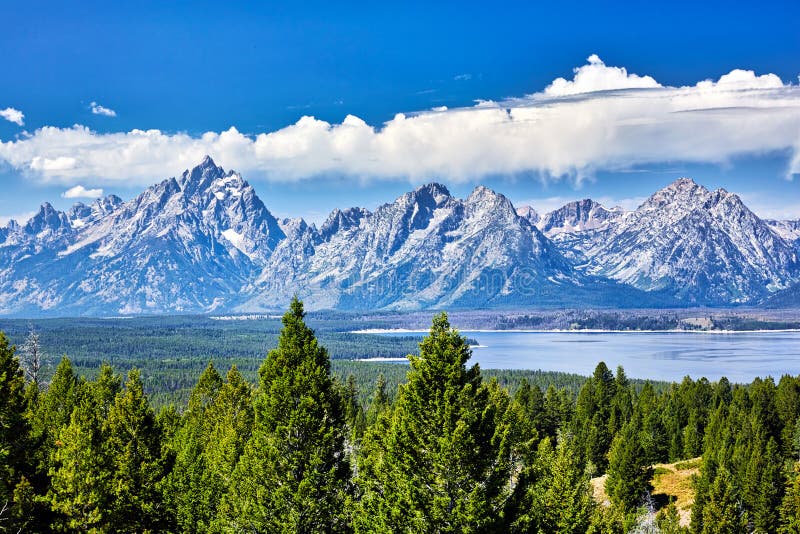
pixel 661 356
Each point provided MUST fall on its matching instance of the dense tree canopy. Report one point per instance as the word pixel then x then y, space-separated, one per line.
pixel 451 449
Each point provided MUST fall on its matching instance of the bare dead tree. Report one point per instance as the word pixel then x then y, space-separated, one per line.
pixel 32 356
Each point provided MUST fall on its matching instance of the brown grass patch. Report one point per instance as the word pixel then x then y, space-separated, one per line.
pixel 671 482
pixel 676 484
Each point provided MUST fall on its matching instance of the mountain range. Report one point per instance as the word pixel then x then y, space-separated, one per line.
pixel 204 242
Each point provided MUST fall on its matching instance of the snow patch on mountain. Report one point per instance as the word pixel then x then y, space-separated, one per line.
pixel 204 241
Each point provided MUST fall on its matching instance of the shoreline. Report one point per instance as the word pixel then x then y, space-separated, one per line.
pixel 572 331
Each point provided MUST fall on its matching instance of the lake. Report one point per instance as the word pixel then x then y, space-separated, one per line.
pixel 739 356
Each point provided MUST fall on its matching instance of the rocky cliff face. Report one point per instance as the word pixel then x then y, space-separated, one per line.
pixel 204 241
pixel 704 247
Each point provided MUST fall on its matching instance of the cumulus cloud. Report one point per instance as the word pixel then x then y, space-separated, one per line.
pixel 13 115
pixel 603 119
pixel 81 192
pixel 596 76
pixel 97 109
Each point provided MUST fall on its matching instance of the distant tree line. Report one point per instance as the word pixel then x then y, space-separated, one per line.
pixel 448 451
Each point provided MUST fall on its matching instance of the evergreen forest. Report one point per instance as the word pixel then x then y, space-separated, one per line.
pixel 438 446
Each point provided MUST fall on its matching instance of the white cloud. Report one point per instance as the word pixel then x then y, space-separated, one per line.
pixel 571 129
pixel 13 115
pixel 742 79
pixel 596 76
pixel 81 192
pixel 97 109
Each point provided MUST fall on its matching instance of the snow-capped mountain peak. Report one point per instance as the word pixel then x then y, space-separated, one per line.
pixel 205 241
pixel 789 230
pixel 681 191
pixel 706 246
pixel 203 174
pixel 529 214
pixel 48 223
pixel 579 216
pixel 342 220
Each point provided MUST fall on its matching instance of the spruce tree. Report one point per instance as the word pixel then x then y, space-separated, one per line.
pixel 14 427
pixel 353 412
pixel 229 422
pixel 722 513
pixel 557 411
pixel 795 443
pixel 558 492
pixel 531 399
pixel 669 521
pixel 81 472
pixel 379 401
pixel 787 404
pixel 790 507
pixel 443 462
pixel 52 412
pixel 134 451
pixel 653 435
pixel 621 404
pixel 185 488
pixel 763 484
pixel 607 520
pixel 629 473
pixel 593 417
pixel 293 475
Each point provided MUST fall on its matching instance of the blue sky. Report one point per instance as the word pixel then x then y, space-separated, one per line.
pixel 185 69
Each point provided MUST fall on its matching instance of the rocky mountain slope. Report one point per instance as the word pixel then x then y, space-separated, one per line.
pixel 579 216
pixel 703 247
pixel 204 242
pixel 187 244
pixel 425 249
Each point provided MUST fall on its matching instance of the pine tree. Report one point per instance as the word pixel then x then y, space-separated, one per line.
pixel 629 473
pixel 722 513
pixel 293 475
pixel 559 494
pixel 134 452
pixel 81 472
pixel 790 507
pixel 764 484
pixel 442 464
pixel 14 428
pixel 379 402
pixel 185 488
pixel 593 417
pixel 229 423
pixel 52 412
